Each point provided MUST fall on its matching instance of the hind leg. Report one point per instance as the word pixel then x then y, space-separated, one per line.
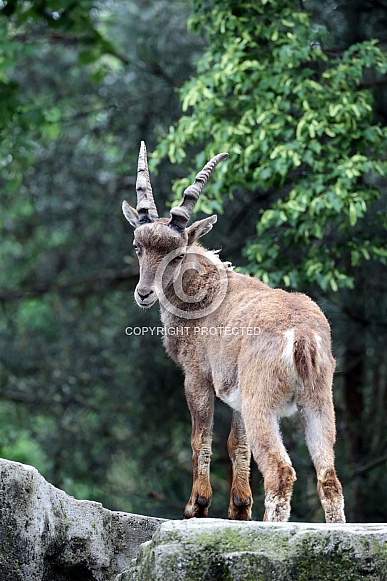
pixel 320 431
pixel 263 433
pixel 279 476
pixel 241 499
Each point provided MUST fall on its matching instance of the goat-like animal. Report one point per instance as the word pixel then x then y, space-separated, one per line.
pixel 263 351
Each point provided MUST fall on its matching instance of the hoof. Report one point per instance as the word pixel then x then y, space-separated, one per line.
pixel 198 508
pixel 239 502
pixel 240 508
pixel 203 501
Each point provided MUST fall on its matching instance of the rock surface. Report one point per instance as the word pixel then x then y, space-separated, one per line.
pixel 46 535
pixel 218 550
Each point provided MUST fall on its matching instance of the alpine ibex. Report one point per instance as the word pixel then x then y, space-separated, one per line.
pixel 263 351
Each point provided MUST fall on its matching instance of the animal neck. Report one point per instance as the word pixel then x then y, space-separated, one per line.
pixel 196 286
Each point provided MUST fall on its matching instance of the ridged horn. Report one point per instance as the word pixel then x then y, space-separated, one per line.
pixel 146 207
pixel 182 213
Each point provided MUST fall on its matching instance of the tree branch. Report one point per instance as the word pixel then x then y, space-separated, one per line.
pixel 56 37
pixel 368 467
pixel 162 498
pixel 129 274
pixel 372 84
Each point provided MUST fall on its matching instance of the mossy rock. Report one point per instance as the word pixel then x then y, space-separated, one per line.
pixel 217 550
pixel 46 535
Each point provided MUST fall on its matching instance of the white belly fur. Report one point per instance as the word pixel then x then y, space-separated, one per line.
pixel 232 399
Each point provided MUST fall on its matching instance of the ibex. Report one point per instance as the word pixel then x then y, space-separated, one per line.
pixel 265 352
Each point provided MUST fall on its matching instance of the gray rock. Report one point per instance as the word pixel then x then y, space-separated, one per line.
pixel 46 535
pixel 218 550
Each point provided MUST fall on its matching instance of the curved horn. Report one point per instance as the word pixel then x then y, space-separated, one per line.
pixel 146 207
pixel 182 213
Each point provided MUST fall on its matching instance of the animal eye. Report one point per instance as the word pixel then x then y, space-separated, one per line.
pixel 180 257
pixel 137 249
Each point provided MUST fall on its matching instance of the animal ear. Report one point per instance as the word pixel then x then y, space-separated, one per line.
pixel 198 229
pixel 130 214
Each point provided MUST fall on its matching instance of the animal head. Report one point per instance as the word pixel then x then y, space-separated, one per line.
pixel 164 239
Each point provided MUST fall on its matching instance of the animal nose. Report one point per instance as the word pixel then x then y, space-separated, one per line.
pixel 144 295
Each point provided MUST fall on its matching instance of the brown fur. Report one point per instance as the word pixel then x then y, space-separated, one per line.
pixel 241 499
pixel 305 357
pixel 287 365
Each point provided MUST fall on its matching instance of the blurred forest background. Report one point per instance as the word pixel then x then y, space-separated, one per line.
pixel 296 92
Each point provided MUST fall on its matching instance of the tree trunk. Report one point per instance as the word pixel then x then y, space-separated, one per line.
pixel 354 406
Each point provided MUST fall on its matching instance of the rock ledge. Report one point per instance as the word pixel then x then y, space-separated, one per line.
pixel 46 535
pixel 214 549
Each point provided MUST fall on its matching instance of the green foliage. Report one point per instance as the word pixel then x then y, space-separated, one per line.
pixel 296 122
pixel 76 392
pixel 99 413
pixel 24 117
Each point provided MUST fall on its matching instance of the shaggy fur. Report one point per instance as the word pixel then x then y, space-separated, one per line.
pixel 270 355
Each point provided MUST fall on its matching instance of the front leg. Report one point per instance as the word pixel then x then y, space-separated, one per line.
pixel 241 499
pixel 200 399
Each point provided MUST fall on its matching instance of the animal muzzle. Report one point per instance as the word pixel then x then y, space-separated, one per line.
pixel 145 296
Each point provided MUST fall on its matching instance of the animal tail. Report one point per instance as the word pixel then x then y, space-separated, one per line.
pixel 305 355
